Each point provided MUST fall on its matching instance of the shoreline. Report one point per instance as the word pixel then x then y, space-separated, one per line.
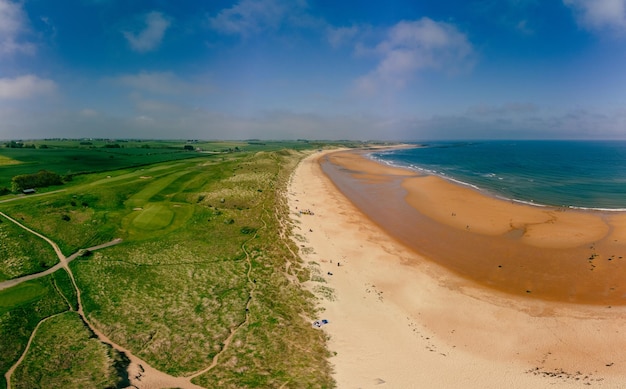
pixel 398 319
pixel 487 192
pixel 551 253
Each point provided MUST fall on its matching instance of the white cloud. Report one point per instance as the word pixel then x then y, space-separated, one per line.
pixel 13 24
pixel 24 87
pixel 52 30
pixel 151 36
pixel 11 17
pixel 339 36
pixel 413 46
pixel 599 14
pixel 523 27
pixel 249 17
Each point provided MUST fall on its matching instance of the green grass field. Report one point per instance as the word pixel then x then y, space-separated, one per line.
pixel 5 161
pixel 21 294
pixel 196 232
pixel 72 157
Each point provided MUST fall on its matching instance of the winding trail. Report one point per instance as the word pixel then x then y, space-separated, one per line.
pixel 235 329
pixel 9 372
pixel 141 374
pixel 63 260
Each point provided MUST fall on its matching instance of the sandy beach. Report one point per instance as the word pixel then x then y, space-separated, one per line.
pixel 403 313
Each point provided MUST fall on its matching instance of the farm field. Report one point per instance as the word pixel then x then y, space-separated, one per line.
pixel 204 286
pixel 77 157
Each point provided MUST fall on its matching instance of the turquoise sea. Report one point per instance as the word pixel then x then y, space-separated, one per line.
pixel 578 174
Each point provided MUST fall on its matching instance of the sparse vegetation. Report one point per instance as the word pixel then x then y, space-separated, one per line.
pixel 21 309
pixel 65 354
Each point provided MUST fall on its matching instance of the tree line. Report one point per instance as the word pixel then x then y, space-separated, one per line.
pixel 41 179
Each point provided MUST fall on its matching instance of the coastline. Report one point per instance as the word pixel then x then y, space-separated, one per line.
pixel 556 254
pixel 399 319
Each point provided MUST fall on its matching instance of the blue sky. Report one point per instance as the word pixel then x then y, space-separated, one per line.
pixel 287 69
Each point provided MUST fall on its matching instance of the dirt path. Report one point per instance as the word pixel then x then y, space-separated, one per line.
pixel 141 374
pixel 32 195
pixel 234 330
pixel 9 372
pixel 54 245
pixel 63 260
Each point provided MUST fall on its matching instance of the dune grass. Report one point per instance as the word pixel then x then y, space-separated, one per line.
pixel 63 284
pixel 202 238
pixel 65 354
pixel 22 253
pixel 23 306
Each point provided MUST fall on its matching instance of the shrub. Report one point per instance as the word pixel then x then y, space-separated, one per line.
pixel 248 230
pixel 41 179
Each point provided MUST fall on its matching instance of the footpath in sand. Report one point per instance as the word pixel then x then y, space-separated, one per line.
pixel 399 320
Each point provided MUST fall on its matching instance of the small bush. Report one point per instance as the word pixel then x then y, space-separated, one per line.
pixel 248 230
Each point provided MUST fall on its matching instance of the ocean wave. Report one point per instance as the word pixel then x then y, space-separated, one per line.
pixel 580 175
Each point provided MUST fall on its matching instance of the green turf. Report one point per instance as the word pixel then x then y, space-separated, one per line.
pixel 152 187
pixel 20 294
pixel 154 217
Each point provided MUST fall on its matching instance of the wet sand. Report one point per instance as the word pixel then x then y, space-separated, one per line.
pixel 550 253
pixel 398 318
